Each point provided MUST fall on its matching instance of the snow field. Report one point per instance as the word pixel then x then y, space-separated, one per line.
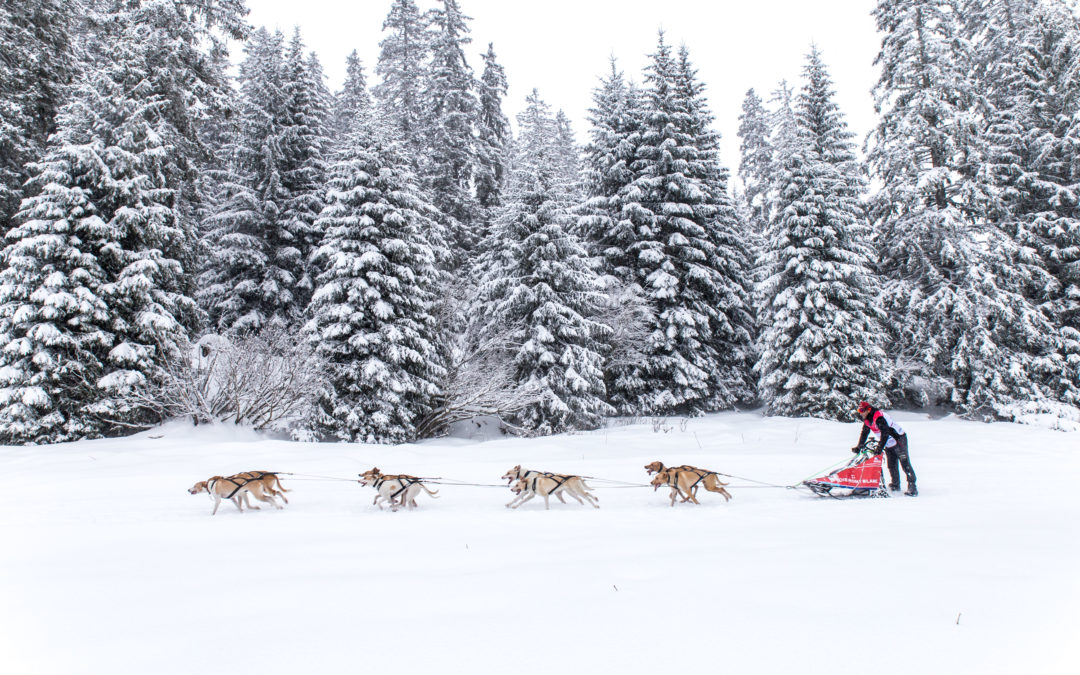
pixel 109 566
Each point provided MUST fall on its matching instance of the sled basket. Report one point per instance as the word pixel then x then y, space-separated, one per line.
pixel 863 476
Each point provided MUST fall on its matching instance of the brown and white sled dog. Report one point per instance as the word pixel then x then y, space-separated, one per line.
pixel 396 490
pixel 684 481
pixel 237 488
pixel 547 484
pixel 512 476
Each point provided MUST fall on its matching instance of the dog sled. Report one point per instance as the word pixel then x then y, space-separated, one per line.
pixel 863 476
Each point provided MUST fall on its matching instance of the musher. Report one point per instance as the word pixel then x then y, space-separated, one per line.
pixel 893 441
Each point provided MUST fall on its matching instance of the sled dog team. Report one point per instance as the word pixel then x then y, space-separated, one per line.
pixel 401 490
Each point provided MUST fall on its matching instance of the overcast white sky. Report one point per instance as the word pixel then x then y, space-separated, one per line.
pixel 562 47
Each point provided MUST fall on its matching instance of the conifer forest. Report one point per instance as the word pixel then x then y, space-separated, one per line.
pixel 196 225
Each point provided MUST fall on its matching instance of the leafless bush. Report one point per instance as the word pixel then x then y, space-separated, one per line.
pixel 267 380
pixel 479 382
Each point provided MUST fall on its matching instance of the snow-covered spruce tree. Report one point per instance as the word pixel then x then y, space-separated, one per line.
pixel 402 67
pixel 821 346
pixel 493 133
pixel 37 60
pixel 106 233
pixel 371 314
pixel 262 232
pixel 616 123
pixel 353 103
pixel 1029 58
pixel 755 158
pixel 735 328
pixel 568 157
pixel 54 324
pixel 672 210
pixel 303 173
pixel 949 315
pixel 450 146
pixel 239 234
pixel 538 286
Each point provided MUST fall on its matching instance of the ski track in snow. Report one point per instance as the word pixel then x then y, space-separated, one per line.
pixel 108 565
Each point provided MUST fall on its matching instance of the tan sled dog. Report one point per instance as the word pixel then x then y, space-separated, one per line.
pixel 685 481
pixel 547 484
pixel 396 490
pixel 236 489
pixel 517 473
pixel 271 484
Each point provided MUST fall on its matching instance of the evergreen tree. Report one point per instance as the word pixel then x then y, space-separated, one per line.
pixel 262 233
pixel 821 346
pixel 240 288
pixel 616 118
pixel 756 158
pixel 303 172
pixel 372 311
pixel 97 298
pixel 353 102
pixel 1028 57
pixel 949 314
pixel 689 367
pixel 735 326
pixel 37 61
pixel 539 288
pixel 402 66
pixel 493 133
pixel 450 156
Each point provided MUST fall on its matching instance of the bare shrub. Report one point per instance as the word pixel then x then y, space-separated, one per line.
pixel 267 380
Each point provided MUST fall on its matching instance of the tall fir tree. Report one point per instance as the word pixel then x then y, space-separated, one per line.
pixel 821 346
pixel 450 156
pixel 97 300
pixel 353 103
pixel 303 174
pixel 493 133
pixel 1028 56
pixel 616 122
pixel 372 313
pixel 673 210
pixel 262 233
pixel 755 158
pixel 950 313
pixel 402 68
pixel 539 288
pixel 38 60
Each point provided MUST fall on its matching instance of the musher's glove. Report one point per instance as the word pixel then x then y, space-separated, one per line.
pixel 855 449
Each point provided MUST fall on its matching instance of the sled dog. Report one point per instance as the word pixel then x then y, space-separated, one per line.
pixel 684 481
pixel 396 490
pixel 547 484
pixel 237 488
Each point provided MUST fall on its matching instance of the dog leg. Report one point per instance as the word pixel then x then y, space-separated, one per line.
pixel 217 503
pixel 527 496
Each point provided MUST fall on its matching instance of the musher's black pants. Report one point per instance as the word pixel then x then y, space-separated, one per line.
pixel 898 455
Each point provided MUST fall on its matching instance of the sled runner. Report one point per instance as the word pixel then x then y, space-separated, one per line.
pixel 862 476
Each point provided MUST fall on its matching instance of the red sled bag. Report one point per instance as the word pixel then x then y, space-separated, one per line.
pixel 862 475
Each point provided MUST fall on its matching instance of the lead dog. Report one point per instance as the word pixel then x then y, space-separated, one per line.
pixel 685 481
pixel 397 490
pixel 236 489
pixel 547 484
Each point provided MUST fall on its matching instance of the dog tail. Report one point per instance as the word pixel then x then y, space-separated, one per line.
pixel 279 485
pixel 429 490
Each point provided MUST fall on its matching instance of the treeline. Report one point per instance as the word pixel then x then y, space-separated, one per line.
pixel 378 263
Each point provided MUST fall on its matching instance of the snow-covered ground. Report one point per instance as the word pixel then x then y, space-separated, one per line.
pixel 108 565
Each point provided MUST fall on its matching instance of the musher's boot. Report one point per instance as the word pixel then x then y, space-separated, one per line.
pixel 894 487
pixel 911 491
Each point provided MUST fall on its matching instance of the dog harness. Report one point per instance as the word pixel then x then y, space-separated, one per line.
pixel 406 482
